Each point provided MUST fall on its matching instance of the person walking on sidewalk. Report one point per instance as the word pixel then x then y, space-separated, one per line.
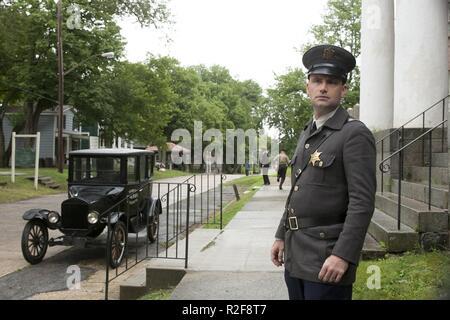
pixel 283 162
pixel 329 208
pixel 265 165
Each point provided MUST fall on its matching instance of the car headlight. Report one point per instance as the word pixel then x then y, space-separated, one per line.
pixel 53 217
pixel 92 217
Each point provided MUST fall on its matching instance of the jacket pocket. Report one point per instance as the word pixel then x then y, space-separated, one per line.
pixel 327 236
pixel 326 160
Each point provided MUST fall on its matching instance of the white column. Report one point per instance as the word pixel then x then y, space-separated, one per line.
pixel 377 64
pixel 421 60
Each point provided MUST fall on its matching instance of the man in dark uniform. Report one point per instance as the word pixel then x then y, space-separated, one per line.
pixel 329 208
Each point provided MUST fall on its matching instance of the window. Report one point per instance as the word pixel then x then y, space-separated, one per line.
pixel 132 174
pixel 96 170
pixel 150 165
pixel 142 168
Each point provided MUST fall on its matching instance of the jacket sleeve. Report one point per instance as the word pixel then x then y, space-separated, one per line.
pixel 359 157
pixel 281 228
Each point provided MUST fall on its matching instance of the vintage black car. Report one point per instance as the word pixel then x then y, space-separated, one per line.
pixel 105 186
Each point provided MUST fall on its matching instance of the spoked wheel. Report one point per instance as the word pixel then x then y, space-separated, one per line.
pixel 34 241
pixel 117 244
pixel 152 228
pixel 153 223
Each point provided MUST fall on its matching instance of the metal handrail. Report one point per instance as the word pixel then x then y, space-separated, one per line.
pixel 420 114
pixel 181 223
pixel 401 129
pixel 386 167
pixel 410 143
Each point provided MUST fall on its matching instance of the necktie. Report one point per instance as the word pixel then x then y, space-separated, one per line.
pixel 313 128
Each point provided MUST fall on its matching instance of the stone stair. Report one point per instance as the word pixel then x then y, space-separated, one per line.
pixel 422 226
pixel 46 181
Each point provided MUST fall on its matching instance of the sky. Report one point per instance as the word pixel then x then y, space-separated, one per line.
pixel 254 39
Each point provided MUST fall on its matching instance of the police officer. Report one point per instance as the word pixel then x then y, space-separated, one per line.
pixel 328 210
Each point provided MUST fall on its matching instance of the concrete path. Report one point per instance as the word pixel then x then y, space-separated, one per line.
pixel 235 263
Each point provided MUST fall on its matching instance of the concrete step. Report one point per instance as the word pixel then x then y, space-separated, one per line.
pixel 414 214
pixel 372 249
pixel 439 176
pixel 419 192
pixel 383 228
pixel 440 159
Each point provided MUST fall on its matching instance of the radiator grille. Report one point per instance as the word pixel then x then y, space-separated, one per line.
pixel 74 214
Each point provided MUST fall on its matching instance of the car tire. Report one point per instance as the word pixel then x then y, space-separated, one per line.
pixel 153 226
pixel 34 241
pixel 117 244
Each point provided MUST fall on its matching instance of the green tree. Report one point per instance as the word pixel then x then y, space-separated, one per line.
pixel 288 108
pixel 28 54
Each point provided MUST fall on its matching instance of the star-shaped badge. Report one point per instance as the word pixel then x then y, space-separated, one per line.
pixel 315 157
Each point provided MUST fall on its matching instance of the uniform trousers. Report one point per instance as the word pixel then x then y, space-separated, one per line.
pixel 300 289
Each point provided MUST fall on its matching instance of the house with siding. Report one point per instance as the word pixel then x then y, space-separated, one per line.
pixel 75 136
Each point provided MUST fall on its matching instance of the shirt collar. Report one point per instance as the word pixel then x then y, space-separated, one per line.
pixel 322 119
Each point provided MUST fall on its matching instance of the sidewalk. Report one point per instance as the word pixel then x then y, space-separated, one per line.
pixel 235 263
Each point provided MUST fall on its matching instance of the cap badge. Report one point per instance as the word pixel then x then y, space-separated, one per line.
pixel 328 53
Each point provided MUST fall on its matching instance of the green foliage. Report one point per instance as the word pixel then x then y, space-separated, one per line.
pixel 288 108
pixel 144 102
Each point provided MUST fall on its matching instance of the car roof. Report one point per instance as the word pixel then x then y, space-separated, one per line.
pixel 109 152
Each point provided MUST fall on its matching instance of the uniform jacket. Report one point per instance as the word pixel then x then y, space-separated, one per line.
pixel 341 183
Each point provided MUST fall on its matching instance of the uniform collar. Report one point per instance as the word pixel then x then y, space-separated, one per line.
pixel 336 122
pixel 322 119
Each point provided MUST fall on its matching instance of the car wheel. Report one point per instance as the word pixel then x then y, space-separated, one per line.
pixel 34 241
pixel 153 226
pixel 117 244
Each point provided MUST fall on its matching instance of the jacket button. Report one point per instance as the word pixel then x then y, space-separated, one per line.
pixel 307 146
pixel 322 235
pixel 296 188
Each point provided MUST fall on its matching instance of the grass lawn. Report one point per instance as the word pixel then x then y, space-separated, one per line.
pixel 157 175
pixel 251 184
pixel 24 189
pixel 161 294
pixel 411 276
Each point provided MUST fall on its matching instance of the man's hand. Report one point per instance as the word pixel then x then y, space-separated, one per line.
pixel 277 252
pixel 333 269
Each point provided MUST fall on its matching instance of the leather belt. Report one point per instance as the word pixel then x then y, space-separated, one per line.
pixel 295 223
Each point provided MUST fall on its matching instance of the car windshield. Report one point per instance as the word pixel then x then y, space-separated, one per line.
pixel 96 170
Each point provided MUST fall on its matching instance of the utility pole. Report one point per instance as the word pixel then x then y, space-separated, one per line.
pixel 60 88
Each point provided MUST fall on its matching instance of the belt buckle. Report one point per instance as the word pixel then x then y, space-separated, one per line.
pixel 293 223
